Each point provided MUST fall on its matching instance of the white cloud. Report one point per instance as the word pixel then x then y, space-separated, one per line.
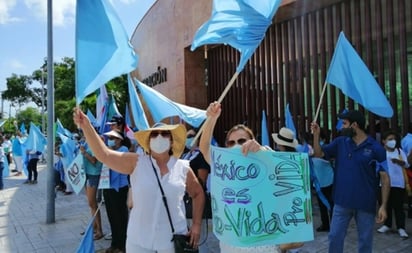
pixel 63 10
pixel 5 8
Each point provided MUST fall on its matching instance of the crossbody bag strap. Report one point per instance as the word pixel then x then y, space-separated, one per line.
pixel 163 197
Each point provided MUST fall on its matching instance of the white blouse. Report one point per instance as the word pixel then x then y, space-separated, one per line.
pixel 149 226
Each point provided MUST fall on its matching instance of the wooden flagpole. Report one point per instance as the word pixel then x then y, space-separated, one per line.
pixel 320 102
pixel 222 96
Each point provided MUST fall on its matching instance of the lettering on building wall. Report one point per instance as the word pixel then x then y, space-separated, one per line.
pixel 158 77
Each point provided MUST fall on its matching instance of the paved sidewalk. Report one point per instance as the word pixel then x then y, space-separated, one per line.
pixel 23 225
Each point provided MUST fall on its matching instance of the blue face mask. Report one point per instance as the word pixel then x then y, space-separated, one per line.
pixel 189 142
pixel 111 143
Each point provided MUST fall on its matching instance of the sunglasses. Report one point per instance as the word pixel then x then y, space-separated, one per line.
pixel 154 134
pixel 231 143
pixel 190 136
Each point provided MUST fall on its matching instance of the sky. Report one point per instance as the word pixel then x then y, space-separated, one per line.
pixel 23 33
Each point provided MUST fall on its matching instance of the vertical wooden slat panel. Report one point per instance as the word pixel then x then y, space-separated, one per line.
pixel 356 38
pixel 280 71
pixel 233 102
pixel 348 32
pixel 258 100
pixel 329 47
pixel 270 79
pixel 339 28
pixel 368 56
pixel 285 72
pixel 322 67
pixel 379 41
pixel 299 75
pixel 308 112
pixel 291 85
pixel 391 62
pixel 275 72
pixel 264 84
pixel 403 61
pixel 315 61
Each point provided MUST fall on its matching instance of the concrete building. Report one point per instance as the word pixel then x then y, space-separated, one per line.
pixel 290 65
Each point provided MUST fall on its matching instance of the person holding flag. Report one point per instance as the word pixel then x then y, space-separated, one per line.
pixel 149 229
pixel 238 135
pixel 359 163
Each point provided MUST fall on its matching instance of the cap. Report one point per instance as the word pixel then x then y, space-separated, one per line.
pixel 354 116
pixel 114 134
pixel 116 119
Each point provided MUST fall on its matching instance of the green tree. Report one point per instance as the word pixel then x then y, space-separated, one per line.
pixel 20 89
pixel 28 115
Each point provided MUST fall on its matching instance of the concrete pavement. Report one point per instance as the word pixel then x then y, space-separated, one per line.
pixel 23 225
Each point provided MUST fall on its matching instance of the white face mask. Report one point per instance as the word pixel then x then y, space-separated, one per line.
pixel 391 143
pixel 159 144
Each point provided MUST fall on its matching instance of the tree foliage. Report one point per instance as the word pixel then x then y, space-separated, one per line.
pixel 21 90
pixel 18 90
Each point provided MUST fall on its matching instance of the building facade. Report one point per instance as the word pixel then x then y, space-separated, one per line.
pixel 289 66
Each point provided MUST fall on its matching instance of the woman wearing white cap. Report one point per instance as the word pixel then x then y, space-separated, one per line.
pixel 149 229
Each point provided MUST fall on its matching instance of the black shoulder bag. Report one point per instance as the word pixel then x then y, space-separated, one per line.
pixel 180 242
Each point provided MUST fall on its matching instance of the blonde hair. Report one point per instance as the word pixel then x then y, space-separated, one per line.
pixel 240 127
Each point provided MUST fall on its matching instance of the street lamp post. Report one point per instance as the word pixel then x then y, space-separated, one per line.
pixel 43 123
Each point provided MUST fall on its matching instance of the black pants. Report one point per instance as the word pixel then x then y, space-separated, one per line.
pixel 325 215
pixel 118 215
pixel 32 168
pixel 395 203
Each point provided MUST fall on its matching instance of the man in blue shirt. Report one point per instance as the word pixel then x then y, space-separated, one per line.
pixel 356 181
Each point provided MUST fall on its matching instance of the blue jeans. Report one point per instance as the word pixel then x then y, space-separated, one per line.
pixel 365 223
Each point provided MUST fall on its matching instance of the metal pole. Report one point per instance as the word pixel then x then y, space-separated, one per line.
pixel 43 122
pixel 50 215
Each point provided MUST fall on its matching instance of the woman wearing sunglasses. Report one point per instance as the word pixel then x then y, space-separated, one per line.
pixel 241 136
pixel 149 229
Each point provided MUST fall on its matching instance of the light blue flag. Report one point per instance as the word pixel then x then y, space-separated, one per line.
pixel 139 116
pixel 349 73
pixel 22 128
pixel 289 120
pixel 241 24
pixel 110 109
pixel 68 149
pixel 36 141
pixel 103 50
pixel 339 124
pixel 60 129
pixel 264 130
pixel 91 117
pixel 161 107
pixel 127 118
pixel 87 243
